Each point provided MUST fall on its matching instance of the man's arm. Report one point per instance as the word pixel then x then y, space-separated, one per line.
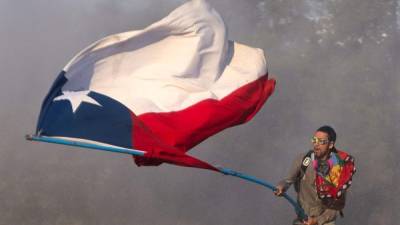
pixel 291 177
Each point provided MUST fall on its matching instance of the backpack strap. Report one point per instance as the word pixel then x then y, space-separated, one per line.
pixel 307 160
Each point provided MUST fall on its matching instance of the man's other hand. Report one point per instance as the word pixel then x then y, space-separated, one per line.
pixel 311 221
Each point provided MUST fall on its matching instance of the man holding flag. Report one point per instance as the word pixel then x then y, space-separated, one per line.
pixel 156 93
pixel 321 178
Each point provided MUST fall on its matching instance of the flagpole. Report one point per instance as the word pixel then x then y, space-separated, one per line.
pixel 56 140
pixel 299 211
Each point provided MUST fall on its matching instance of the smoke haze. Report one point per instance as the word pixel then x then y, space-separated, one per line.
pixel 336 62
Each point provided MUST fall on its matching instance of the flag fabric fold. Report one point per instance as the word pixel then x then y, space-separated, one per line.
pixel 163 89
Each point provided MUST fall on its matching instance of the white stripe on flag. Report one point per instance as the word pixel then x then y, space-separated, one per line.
pixel 170 65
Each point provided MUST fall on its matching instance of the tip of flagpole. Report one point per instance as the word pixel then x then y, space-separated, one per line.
pixel 29 137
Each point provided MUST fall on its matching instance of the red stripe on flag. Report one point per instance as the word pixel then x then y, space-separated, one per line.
pixel 157 151
pixel 181 130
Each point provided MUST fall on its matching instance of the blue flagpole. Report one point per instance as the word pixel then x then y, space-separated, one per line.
pixel 55 140
pixel 85 145
pixel 299 211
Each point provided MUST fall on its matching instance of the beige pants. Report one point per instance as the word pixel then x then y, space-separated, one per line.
pixel 330 223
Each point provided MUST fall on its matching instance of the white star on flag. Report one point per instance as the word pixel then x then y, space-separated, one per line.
pixel 76 98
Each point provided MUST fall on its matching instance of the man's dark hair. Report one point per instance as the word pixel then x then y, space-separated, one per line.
pixel 329 131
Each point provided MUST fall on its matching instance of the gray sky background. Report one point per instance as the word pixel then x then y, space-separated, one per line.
pixel 336 62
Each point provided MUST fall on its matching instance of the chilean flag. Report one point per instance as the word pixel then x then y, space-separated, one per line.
pixel 163 89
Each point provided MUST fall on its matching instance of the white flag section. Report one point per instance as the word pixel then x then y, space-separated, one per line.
pixel 161 89
pixel 168 66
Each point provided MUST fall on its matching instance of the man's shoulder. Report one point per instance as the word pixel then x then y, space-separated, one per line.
pixel 301 157
pixel 343 154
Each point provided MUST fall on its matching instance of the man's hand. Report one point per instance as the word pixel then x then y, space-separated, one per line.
pixel 311 221
pixel 279 190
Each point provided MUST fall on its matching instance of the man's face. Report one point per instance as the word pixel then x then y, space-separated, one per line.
pixel 321 144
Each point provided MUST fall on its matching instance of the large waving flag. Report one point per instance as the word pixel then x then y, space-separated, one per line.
pixel 162 90
pixel 156 93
